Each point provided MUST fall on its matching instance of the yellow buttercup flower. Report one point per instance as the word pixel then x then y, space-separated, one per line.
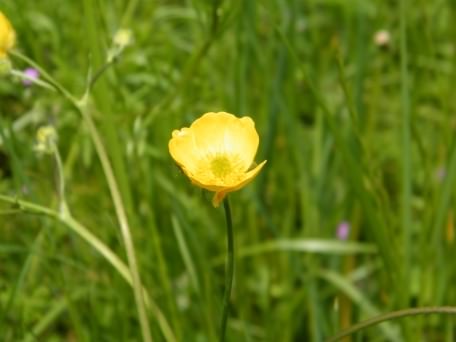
pixel 7 35
pixel 217 152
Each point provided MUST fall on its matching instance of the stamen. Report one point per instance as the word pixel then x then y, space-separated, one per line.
pixel 221 166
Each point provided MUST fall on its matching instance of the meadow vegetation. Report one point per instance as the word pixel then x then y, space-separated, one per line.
pixel 351 217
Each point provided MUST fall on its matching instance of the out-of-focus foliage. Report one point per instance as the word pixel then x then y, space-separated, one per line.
pixel 354 129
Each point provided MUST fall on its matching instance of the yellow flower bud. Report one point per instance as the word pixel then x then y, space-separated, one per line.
pixel 46 138
pixel 7 35
pixel 123 37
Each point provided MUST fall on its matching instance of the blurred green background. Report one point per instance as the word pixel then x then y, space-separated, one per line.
pixel 355 107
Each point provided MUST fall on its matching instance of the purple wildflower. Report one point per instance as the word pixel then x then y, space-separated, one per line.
pixel 343 230
pixel 32 74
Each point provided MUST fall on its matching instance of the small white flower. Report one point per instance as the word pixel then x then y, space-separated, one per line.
pixel 382 38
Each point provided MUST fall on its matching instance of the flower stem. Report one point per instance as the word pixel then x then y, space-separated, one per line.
pixel 393 315
pixel 63 206
pixel 229 269
pixel 123 221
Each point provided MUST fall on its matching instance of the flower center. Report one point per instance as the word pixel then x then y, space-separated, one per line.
pixel 221 166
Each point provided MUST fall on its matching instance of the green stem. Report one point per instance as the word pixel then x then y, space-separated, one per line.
pixel 36 81
pixel 123 222
pixel 111 61
pixel 76 227
pixel 229 269
pixel 46 76
pixel 393 315
pixel 63 207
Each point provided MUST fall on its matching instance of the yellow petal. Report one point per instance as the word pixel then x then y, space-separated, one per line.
pixel 205 182
pixel 245 179
pixel 7 35
pixel 209 131
pixel 183 150
pixel 241 139
pixel 224 133
pixel 248 177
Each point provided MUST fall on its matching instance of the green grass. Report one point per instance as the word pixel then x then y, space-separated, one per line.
pixel 352 132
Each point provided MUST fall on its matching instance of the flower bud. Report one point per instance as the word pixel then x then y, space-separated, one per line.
pixel 46 139
pixel 123 37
